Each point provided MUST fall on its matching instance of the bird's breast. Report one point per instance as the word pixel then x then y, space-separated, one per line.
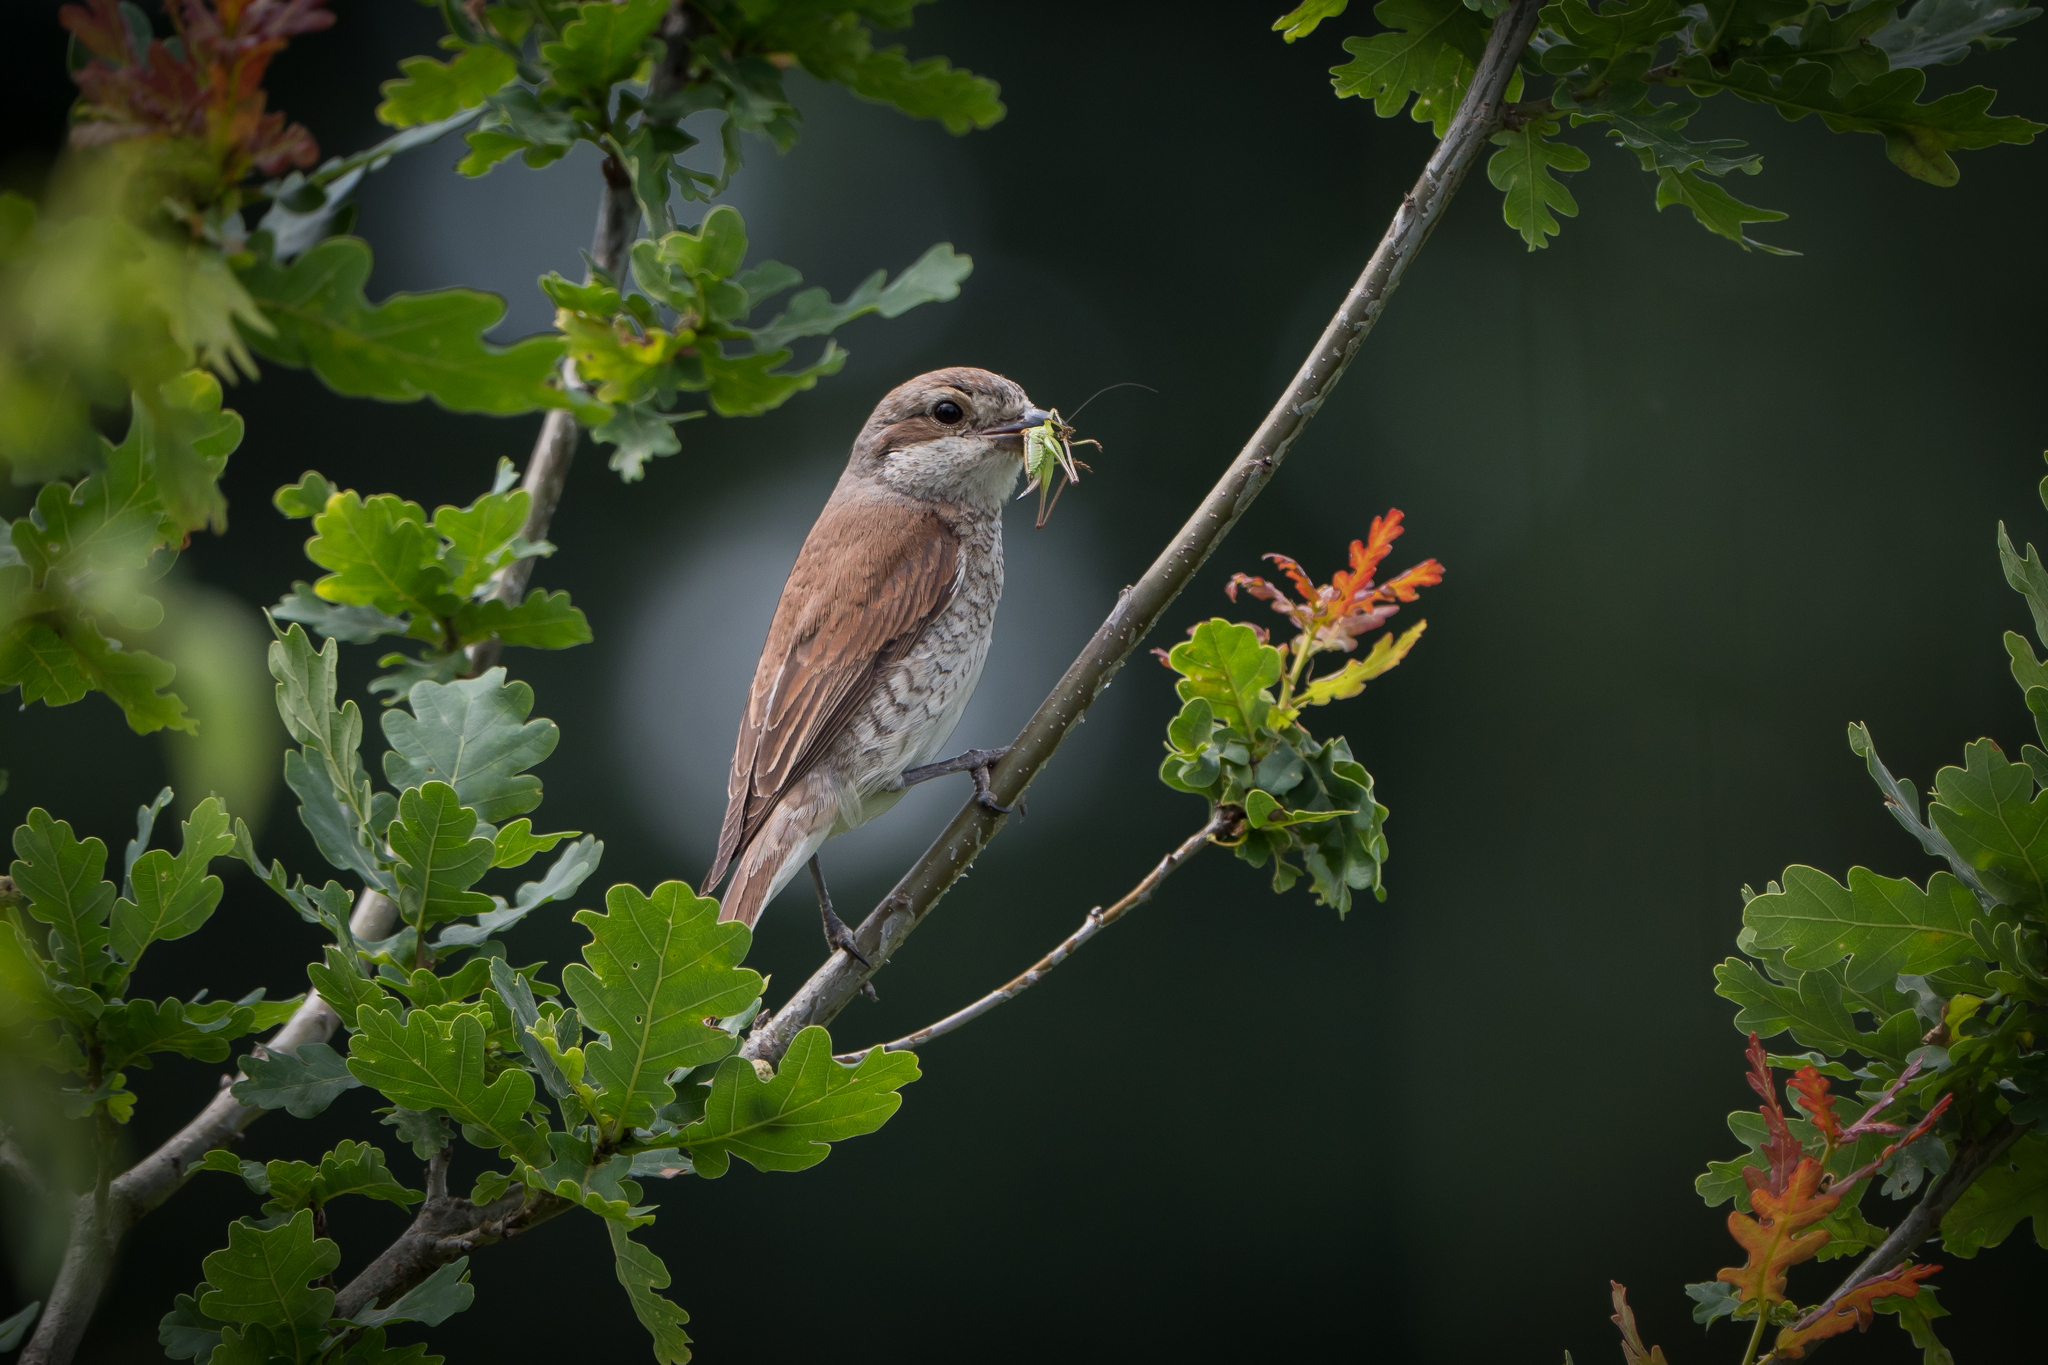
pixel 911 712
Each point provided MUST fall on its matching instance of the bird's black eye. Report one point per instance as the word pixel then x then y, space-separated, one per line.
pixel 948 412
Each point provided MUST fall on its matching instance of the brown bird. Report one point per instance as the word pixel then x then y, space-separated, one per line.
pixel 880 635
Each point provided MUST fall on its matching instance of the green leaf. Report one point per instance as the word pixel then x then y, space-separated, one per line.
pixel 1989 811
pixel 516 843
pixel 788 1123
pixel 1812 1009
pixel 1883 926
pixel 409 347
pixel 2028 577
pixel 326 772
pixel 751 385
pixel 432 1301
pixel 426 1063
pixel 482 537
pixel 306 498
pixel 1435 41
pixel 381 554
pixel 472 734
pixel 644 1276
pixel 188 438
pixel 173 896
pixel 353 1167
pixel 1228 666
pixel 1918 137
pixel 130 1032
pixel 333 621
pixel 1716 210
pixel 302 1084
pixel 641 432
pixel 513 989
pixel 1902 799
pixel 2013 1189
pixel 1939 32
pixel 58 667
pixel 262 1279
pixel 933 278
pixel 931 88
pixel 545 620
pixel 567 873
pixel 1521 169
pixel 1655 133
pixel 440 856
pixel 604 45
pixel 432 90
pixel 186 1333
pixel 1301 21
pixel 61 876
pixel 658 966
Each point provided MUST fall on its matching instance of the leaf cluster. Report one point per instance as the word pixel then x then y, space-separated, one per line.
pixel 1932 997
pixel 624 1070
pixel 393 570
pixel 71 940
pixel 1239 740
pixel 1861 67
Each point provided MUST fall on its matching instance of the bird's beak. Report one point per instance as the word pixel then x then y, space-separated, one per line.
pixel 1033 417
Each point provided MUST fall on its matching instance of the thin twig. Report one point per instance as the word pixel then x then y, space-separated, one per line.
pixel 1139 608
pixel 1097 920
pixel 1972 1160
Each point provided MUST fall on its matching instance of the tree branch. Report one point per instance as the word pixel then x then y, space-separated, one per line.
pixel 1972 1160
pixel 1097 920
pixel 1140 606
pixel 445 1229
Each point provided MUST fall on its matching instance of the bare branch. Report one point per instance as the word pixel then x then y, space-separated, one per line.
pixel 1972 1160
pixel 445 1229
pixel 1139 608
pixel 1097 920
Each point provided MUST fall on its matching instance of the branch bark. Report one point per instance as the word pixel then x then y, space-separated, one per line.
pixel 1096 921
pixel 1139 608
pixel 445 1229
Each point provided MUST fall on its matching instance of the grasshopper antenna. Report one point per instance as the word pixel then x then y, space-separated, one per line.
pixel 1127 384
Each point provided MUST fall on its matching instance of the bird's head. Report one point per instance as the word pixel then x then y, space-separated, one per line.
pixel 952 435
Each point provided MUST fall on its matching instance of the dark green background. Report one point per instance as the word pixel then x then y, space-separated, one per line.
pixel 1699 509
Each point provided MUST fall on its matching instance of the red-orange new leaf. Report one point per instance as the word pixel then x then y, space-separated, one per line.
pixel 207 91
pixel 1853 1309
pixel 1818 1102
pixel 1633 1352
pixel 1781 1235
pixel 1351 604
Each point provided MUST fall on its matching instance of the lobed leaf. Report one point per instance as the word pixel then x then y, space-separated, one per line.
pixel 426 1064
pixel 473 735
pixel 302 1084
pixel 173 896
pixel 658 966
pixel 60 875
pixel 1521 170
pixel 262 1279
pixel 644 1276
pixel 440 856
pixel 1883 926
pixel 789 1122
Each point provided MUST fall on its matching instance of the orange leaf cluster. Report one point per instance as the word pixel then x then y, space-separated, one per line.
pixel 1853 1309
pixel 1815 1098
pixel 1351 604
pixel 1780 1148
pixel 206 90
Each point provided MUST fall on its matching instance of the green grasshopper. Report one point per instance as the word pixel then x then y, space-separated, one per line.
pixel 1049 455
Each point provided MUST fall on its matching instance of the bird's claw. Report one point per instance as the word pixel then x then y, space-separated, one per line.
pixel 838 936
pixel 987 798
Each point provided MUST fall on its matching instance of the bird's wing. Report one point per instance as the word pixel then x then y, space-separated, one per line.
pixel 868 581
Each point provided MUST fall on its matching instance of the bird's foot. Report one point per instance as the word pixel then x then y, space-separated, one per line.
pixel 976 761
pixel 987 798
pixel 838 936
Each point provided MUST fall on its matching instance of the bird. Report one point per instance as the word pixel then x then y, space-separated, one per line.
pixel 879 637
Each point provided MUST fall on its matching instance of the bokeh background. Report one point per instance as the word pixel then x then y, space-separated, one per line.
pixel 1699 508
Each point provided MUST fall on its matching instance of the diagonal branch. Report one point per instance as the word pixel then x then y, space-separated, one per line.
pixel 1097 920
pixel 1972 1160
pixel 1139 608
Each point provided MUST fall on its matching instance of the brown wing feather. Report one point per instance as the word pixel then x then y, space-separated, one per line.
pixel 870 578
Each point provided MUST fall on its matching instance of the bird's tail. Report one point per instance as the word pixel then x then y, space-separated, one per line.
pixel 785 843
